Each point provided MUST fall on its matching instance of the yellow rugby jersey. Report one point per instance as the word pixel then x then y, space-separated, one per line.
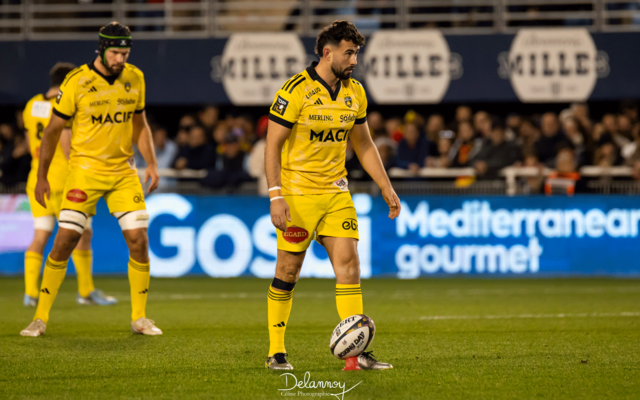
pixel 36 117
pixel 320 121
pixel 103 108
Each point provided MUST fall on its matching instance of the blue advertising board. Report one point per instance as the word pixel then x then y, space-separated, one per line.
pixel 439 235
pixel 396 67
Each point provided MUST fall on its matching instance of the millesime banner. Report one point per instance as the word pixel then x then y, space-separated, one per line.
pixel 396 67
pixel 438 235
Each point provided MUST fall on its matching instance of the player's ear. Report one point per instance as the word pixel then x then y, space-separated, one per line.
pixel 326 53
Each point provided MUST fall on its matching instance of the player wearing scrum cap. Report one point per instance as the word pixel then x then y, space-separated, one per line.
pixel 36 116
pixel 106 99
pixel 312 117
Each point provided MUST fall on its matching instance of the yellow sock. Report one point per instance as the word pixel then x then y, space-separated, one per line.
pixel 51 280
pixel 82 259
pixel 349 300
pixel 32 266
pixel 139 282
pixel 279 308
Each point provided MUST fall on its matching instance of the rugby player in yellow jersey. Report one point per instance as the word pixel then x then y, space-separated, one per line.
pixel 36 116
pixel 312 117
pixel 106 99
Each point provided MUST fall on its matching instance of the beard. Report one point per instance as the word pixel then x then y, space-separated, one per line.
pixel 343 74
pixel 114 70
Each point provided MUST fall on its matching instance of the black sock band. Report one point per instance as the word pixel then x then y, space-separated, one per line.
pixel 282 285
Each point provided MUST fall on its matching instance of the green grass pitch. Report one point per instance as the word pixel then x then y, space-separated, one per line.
pixel 447 338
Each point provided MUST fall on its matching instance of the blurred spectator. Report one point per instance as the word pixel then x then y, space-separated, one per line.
pixel 496 154
pixel 185 125
pixel 387 149
pixel 208 118
pixel 527 135
pixel 465 147
pixel 255 159
pixel 375 121
pixel 578 139
pixel 565 179
pixel 442 160
pixel 413 150
pixel 198 154
pixel 435 124
pixel 394 128
pixel 552 139
pixel 630 110
pixel 533 185
pixel 15 158
pixel 228 169
pixel 513 123
pixel 463 114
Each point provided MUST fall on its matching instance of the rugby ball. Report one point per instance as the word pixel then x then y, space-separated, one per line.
pixel 352 336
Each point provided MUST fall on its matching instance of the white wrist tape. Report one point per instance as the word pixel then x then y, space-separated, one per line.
pixel 275 188
pixel 276 198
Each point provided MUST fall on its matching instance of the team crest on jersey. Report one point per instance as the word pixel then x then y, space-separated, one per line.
pixel 59 97
pixel 348 101
pixel 127 87
pixel 280 105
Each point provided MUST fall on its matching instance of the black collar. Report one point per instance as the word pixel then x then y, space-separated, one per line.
pixel 110 79
pixel 311 70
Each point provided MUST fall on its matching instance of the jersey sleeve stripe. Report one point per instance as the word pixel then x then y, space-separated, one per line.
pixel 361 120
pixel 293 81
pixel 296 84
pixel 61 115
pixel 281 121
pixel 71 75
pixel 139 111
pixel 287 82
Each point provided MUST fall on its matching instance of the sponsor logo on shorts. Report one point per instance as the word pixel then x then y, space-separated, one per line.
pixel 350 223
pixel 77 196
pixel 138 198
pixel 295 234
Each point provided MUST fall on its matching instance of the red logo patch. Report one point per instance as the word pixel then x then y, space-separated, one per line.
pixel 77 196
pixel 295 234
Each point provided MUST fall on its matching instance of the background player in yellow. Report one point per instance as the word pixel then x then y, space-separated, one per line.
pixel 106 99
pixel 312 117
pixel 36 117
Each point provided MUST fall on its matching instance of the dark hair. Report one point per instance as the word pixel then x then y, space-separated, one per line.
pixel 58 73
pixel 336 33
pixel 116 29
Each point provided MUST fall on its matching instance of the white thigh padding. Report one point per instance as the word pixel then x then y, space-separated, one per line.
pixel 74 220
pixel 132 219
pixel 45 223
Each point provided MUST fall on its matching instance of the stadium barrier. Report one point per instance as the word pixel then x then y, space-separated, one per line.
pixel 54 19
pixel 436 235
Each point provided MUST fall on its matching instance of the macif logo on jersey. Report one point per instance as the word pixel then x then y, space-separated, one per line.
pixel 556 65
pixel 253 67
pixel 409 66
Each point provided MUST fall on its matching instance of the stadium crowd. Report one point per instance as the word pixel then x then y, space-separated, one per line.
pixel 231 148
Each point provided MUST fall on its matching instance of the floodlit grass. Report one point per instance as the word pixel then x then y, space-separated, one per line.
pixel 447 338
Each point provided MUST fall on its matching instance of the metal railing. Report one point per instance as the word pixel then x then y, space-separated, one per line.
pixel 161 19
pixel 428 181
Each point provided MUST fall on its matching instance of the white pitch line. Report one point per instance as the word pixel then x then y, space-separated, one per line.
pixel 529 316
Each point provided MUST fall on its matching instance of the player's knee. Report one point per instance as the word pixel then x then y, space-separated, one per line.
pixel 73 220
pixel 137 240
pixel 132 220
pixel 66 241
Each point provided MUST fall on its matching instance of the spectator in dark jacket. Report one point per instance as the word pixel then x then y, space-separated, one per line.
pixel 413 150
pixel 496 154
pixel 551 141
pixel 198 154
pixel 229 167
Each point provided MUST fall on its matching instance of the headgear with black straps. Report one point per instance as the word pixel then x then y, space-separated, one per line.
pixel 114 35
